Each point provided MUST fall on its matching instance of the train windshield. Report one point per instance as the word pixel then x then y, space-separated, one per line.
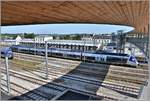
pixel 132 59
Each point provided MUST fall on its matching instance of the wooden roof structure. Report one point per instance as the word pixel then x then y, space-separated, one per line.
pixel 130 13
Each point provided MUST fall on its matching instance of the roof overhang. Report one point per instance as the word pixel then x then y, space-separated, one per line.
pixel 130 13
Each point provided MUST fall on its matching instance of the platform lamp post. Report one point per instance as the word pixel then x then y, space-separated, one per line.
pixel 51 47
pixel 46 61
pixel 93 40
pixel 84 49
pixel 7 72
pixel 34 47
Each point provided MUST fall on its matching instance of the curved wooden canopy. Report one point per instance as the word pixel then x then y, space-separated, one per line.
pixel 131 13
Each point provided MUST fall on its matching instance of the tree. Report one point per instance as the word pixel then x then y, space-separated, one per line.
pixel 76 37
pixel 67 37
pixel 30 35
pixel 14 36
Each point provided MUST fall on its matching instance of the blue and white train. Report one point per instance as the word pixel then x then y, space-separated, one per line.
pixel 99 57
pixel 6 51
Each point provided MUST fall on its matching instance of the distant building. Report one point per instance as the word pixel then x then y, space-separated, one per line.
pixel 67 44
pixel 11 41
pixel 57 38
pixel 43 38
pixel 102 39
pixel 18 40
pixel 114 37
pixel 112 47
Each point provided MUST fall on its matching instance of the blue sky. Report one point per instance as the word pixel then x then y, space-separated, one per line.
pixel 64 28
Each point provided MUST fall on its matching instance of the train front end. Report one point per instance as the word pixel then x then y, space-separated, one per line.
pixel 132 61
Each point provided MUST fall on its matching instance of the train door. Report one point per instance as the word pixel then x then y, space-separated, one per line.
pixel 100 58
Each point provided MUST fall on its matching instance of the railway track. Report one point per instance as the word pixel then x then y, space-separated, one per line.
pixel 36 94
pixel 97 70
pixel 44 92
pixel 18 91
pixel 130 75
pixel 33 80
pixel 89 65
pixel 121 88
pixel 125 73
pixel 111 71
pixel 39 81
pixel 56 70
pixel 115 72
pixel 108 75
pixel 96 82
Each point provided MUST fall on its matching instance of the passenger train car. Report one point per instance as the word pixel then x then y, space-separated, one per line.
pixel 6 51
pixel 99 57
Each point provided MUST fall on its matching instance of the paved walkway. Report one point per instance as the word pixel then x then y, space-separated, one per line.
pixel 145 96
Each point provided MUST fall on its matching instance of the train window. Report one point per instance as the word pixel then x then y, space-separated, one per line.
pixel 59 54
pixel 124 60
pixel 90 58
pixel 102 59
pixel 99 58
pixel 113 59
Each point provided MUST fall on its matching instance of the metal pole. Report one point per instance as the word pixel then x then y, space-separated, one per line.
pixel 46 60
pixel 17 53
pixel 84 50
pixel 7 74
pixel 93 40
pixel 34 47
pixel 131 50
pixel 51 48
pixel 102 42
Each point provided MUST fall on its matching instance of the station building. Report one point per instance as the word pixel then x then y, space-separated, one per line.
pixel 67 44
pixel 11 41
pixel 43 38
pixel 86 43
pixel 103 38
